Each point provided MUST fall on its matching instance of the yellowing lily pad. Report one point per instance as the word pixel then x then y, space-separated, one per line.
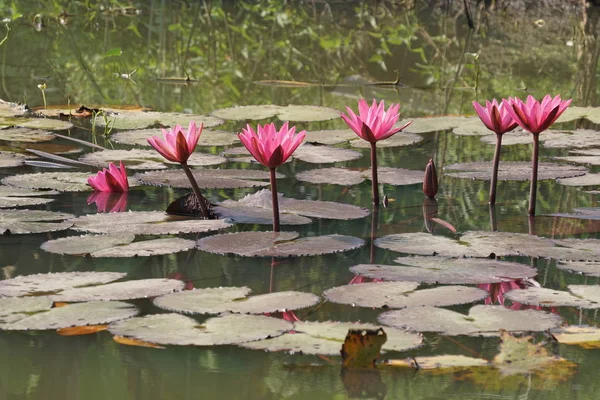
pixel 521 356
pixel 513 171
pixel 32 221
pixel 587 337
pixel 277 244
pixel 446 361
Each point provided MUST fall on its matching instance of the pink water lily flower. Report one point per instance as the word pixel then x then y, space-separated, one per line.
pixel 374 123
pixel 113 179
pixel 270 147
pixel 177 145
pixel 534 116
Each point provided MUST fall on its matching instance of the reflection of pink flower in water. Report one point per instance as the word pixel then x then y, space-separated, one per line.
pixel 496 290
pixel 108 201
pixel 362 279
pixel 189 285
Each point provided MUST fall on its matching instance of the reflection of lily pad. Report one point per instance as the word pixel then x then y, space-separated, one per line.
pixel 307 208
pixel 319 154
pixel 583 180
pixel 513 171
pixel 146 119
pixel 207 178
pixel 589 268
pixel 137 289
pixel 290 113
pixel 578 138
pixel 330 136
pixel 398 140
pixel 139 137
pixel 402 294
pixel 331 176
pixel 93 313
pixel 233 299
pixel 29 285
pixel 32 221
pixel 25 135
pixel 145 159
pixel 282 244
pixel 327 337
pixel 544 297
pixel 145 223
pixel 434 124
pixel 446 270
pixel 175 329
pixel 482 320
pixel 10 159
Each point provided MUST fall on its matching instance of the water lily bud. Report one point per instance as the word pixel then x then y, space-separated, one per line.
pixel 430 183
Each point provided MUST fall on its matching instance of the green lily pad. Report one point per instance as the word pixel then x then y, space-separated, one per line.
pixel 129 290
pixel 473 127
pixel 25 135
pixel 277 244
pixel 331 176
pixel 574 113
pixel 38 284
pixel 235 300
pixel 207 178
pixel 330 136
pixel 146 119
pixel 175 329
pixel 579 138
pixel 481 320
pixel 32 221
pixel 36 123
pixel 92 313
pixel 326 338
pixel 146 159
pixel 513 171
pixel 402 294
pixel 544 297
pixel 139 137
pixel 398 140
pixel 446 270
pixel 145 223
pixel 320 154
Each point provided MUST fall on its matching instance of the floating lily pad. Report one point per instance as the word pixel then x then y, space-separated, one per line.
pixel 579 138
pixel 25 135
pixel 426 244
pixel 32 221
pixel 282 244
pixel 585 336
pixel 331 176
pixel 138 289
pixel 473 127
pixel 36 123
pixel 326 338
pixel 52 148
pixel 588 292
pixel 261 216
pixel 396 176
pixel 175 329
pixel 147 119
pixel 544 297
pixel 147 248
pixel 574 113
pixel 583 180
pixel 145 223
pixel 39 284
pixel 482 320
pixel 330 136
pixel 402 294
pixel 242 113
pixel 591 157
pixel 207 178
pixel 289 113
pixel 61 181
pixel 13 309
pixel 86 244
pixel 592 213
pixel 446 270
pixel 139 137
pixel 145 159
pixel 8 109
pixel 513 171
pixel 439 362
pixel 93 313
pixel 434 124
pixel 262 200
pixel 589 268
pixel 520 136
pixel 10 159
pixel 17 197
pixel 233 299
pixel 398 140
pixel 319 154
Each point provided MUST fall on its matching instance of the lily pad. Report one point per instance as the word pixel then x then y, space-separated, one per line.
pixel 481 321
pixel 473 127
pixel 520 136
pixel 92 313
pixel 332 176
pixel 592 213
pixel 426 244
pixel 147 248
pixel 61 181
pixel 402 294
pixel 139 137
pixel 8 109
pixel 326 338
pixel 585 336
pixel 13 309
pixel 25 135
pixel 446 361
pixel 233 299
pixel 544 297
pixel 513 171
pixel 588 292
pixel 446 270
pixel 433 124
pixel 32 221
pixel 574 113
pixel 242 113
pixel 147 119
pixel 260 216
pixel 39 284
pixel 175 329
pixel 281 244
pixel 591 157
pixel 145 159
pixel 145 223
pixel 330 136
pixel 137 289
pixel 301 113
pixel 583 180
pixel 36 123
pixel 319 154
pixel 13 202
pixel 588 268
pixel 207 178
pixel 579 138
pixel 289 113
pixel 86 244
pixel 11 159
pixel 398 140
pixel 17 197
pixel 307 208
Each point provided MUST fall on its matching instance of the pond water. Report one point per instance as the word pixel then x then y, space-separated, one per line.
pixel 200 57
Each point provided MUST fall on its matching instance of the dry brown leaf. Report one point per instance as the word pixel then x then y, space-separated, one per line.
pixel 81 330
pixel 134 342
